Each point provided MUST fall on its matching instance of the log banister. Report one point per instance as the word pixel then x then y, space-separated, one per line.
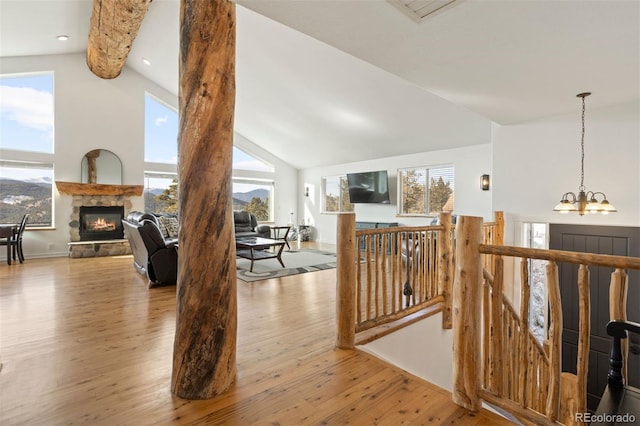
pixel 621 262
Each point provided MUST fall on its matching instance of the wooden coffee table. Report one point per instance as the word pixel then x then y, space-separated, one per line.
pixel 257 248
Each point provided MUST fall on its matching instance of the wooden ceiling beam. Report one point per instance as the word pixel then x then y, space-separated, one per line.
pixel 114 26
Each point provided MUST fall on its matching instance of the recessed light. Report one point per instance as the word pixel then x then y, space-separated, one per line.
pixel 62 37
pixel 146 61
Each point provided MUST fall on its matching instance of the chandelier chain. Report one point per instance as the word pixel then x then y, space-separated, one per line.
pixel 582 188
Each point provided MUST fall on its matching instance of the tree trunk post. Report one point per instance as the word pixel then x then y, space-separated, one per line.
pixel 346 262
pixel 204 355
pixel 467 303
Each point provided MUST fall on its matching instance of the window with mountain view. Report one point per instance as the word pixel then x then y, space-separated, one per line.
pixel 255 197
pixel 161 192
pixel 27 132
pixel 252 185
pixel 425 191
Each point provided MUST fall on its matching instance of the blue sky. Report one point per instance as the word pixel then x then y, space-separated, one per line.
pixel 27 124
pixel 26 112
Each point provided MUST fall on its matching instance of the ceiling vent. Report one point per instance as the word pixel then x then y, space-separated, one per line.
pixel 420 10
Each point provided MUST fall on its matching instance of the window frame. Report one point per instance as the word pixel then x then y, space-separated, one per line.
pixel 427 170
pixel 342 183
pixel 32 158
pixel 41 165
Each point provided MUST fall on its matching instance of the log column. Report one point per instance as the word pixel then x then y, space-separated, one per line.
pixel 204 356
pixel 346 262
pixel 467 308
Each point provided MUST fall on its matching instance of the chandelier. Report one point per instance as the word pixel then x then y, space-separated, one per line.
pixel 585 201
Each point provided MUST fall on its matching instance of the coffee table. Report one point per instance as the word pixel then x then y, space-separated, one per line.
pixel 258 248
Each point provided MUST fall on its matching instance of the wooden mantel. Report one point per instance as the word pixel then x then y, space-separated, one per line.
pixel 73 188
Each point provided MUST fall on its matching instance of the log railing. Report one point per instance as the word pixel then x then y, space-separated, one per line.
pixel 501 361
pixel 386 274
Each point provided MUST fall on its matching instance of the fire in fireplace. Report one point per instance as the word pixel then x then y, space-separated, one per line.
pixel 101 223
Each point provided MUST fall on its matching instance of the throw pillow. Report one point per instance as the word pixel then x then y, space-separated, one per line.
pixel 163 227
pixel 170 225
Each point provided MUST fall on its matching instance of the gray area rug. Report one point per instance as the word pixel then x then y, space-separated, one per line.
pixel 295 262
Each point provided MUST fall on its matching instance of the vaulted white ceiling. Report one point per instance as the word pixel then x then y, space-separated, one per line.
pixel 324 82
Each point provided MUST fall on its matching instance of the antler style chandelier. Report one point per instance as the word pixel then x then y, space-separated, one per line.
pixel 585 201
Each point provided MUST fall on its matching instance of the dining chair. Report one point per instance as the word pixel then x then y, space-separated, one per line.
pixel 15 242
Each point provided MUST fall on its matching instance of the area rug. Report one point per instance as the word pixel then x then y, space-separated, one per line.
pixel 295 262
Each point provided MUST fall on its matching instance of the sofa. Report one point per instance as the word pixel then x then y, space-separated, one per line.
pixel 154 255
pixel 246 225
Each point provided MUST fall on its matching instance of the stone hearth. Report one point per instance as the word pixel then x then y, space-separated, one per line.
pixel 79 248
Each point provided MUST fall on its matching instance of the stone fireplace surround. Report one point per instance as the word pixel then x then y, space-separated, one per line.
pixel 96 195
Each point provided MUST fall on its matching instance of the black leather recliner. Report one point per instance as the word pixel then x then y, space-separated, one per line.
pixel 153 255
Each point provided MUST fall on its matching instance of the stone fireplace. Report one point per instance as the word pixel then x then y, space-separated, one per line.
pixel 95 227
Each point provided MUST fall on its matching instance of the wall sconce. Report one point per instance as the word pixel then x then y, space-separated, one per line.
pixel 485 182
pixel 306 191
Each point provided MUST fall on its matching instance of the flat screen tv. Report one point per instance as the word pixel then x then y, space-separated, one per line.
pixel 368 187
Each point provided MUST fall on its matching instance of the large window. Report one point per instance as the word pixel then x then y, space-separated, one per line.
pixel 26 188
pixel 160 132
pixel 425 191
pixel 160 156
pixel 253 185
pixel 26 139
pixel 335 195
pixel 160 192
pixel 253 179
pixel 254 196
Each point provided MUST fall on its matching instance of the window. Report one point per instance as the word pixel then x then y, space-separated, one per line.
pixel 26 128
pixel 160 156
pixel 425 191
pixel 160 192
pixel 254 196
pixel 26 188
pixel 535 236
pixel 335 195
pixel 26 107
pixel 253 178
pixel 160 132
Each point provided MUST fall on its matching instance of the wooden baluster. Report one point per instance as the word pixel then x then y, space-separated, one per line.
pixel 618 308
pixel 445 268
pixel 369 301
pixel 496 328
pixel 346 261
pixel 582 366
pixel 385 289
pixel 525 292
pixel 359 242
pixel 486 335
pixel 555 338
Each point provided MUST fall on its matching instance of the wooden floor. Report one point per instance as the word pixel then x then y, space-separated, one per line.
pixel 83 341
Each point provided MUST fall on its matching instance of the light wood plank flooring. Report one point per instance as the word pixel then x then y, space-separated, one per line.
pixel 83 341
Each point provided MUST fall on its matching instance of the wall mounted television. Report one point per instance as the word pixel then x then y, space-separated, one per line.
pixel 368 187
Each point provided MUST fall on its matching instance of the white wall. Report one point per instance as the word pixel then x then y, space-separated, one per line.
pixel 470 163
pixel 534 163
pixel 93 113
pixel 423 349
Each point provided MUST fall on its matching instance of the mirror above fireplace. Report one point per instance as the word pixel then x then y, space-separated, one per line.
pixel 101 166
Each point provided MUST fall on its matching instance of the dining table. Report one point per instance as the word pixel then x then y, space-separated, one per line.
pixel 8 231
